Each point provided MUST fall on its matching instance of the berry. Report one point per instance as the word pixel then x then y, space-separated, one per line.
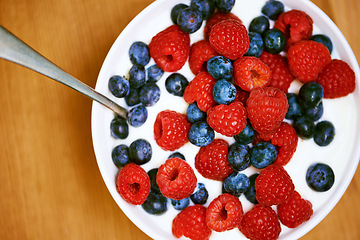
pixel 180 204
pixel 295 109
pixel 294 211
pixel 304 126
pixel 246 136
pixel 205 7
pixel 171 130
pixel 273 186
pixel 220 67
pixel 224 213
pixel 176 10
pixel 337 79
pixel 149 94
pixel 236 184
pixel 224 92
pixel 320 177
pixel 170 48
pixel 250 193
pixel 262 155
pixel 139 53
pixel 238 156
pixel 201 195
pixel 200 53
pixel 274 41
pixel 189 20
pixel 153 73
pixel 307 59
pixel 314 113
pixel 259 24
pixel 133 97
pixel 241 95
pixel 311 93
pixel 324 40
pixel 324 133
pixel 119 128
pixel 140 151
pixel 178 155
pixel 200 90
pixel 211 160
pixel 216 18
pixel 266 108
pixel 120 155
pixel 137 116
pixel 229 38
pixel 119 86
pixel 176 179
pixel 152 175
pixel 256 46
pixel 133 184
pixel 228 120
pixel 155 204
pixel 137 77
pixel 260 223
pixel 250 73
pixel 201 134
pixel 224 6
pixel 272 9
pixel 191 223
pixel 194 114
pixel 176 83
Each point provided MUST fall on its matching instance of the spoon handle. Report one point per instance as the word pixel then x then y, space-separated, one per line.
pixel 15 50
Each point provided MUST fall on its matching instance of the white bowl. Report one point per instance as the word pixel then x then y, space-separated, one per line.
pixel 342 154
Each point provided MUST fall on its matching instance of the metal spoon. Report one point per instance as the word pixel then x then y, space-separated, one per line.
pixel 15 50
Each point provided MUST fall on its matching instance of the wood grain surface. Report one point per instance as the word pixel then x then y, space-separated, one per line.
pixel 50 185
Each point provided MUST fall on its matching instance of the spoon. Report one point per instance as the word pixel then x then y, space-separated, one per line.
pixel 15 50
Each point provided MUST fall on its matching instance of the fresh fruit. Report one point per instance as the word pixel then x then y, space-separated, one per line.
pixel 194 114
pixel 153 73
pixel 176 10
pixel 119 128
pixel 119 86
pixel 236 184
pixel 238 156
pixel 311 93
pixel 246 136
pixel 120 155
pixel 304 126
pixel 224 92
pixel 176 83
pixel 200 52
pixel 180 204
pixel 256 46
pixel 133 97
pixel 189 20
pixel 262 155
pixel 200 195
pixel 149 94
pixel 137 76
pixel 224 6
pixel 295 109
pixel 205 7
pixel 320 177
pixel 176 179
pixel 220 67
pixel 155 204
pixel 324 133
pixel 274 41
pixel 272 9
pixel 133 184
pixel 250 193
pixel 259 24
pixel 152 175
pixel 178 155
pixel 137 116
pixel 171 130
pixel 201 134
pixel 139 53
pixel 314 113
pixel 321 38
pixel 216 18
pixel 140 151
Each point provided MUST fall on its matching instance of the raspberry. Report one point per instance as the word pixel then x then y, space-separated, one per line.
pixel 216 18
pixel 171 129
pixel 266 108
pixel 228 120
pixel 286 139
pixel 273 186
pixel 176 179
pixel 307 59
pixel 294 211
pixel 224 213
pixel 241 95
pixel 337 79
pixel 211 160
pixel 191 223
pixel 229 38
pixel 200 90
pixel 133 184
pixel 200 53
pixel 296 25
pixel 281 76
pixel 260 223
pixel 250 73
pixel 170 48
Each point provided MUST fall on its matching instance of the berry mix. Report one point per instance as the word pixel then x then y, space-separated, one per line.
pixel 240 91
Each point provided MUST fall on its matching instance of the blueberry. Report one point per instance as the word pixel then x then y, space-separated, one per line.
pixel 256 46
pixel 272 9
pixel 178 155
pixel 180 204
pixel 133 97
pixel 224 92
pixel 295 107
pixel 314 113
pixel 246 136
pixel 201 134
pixel 274 41
pixel 236 184
pixel 139 53
pixel 153 73
pixel 238 157
pixel 311 93
pixel 120 155
pixel 324 40
pixel 155 204
pixel 324 133
pixel 140 151
pixel 119 128
pixel 250 193
pixel 189 20
pixel 262 155
pixel 224 6
pixel 149 94
pixel 137 116
pixel 153 184
pixel 200 195
pixel 194 114
pixel 176 83
pixel 137 76
pixel 259 24
pixel 304 126
pixel 220 67
pixel 320 177
pixel 206 7
pixel 119 86
pixel 176 10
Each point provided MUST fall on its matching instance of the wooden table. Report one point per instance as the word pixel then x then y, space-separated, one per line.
pixel 51 187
